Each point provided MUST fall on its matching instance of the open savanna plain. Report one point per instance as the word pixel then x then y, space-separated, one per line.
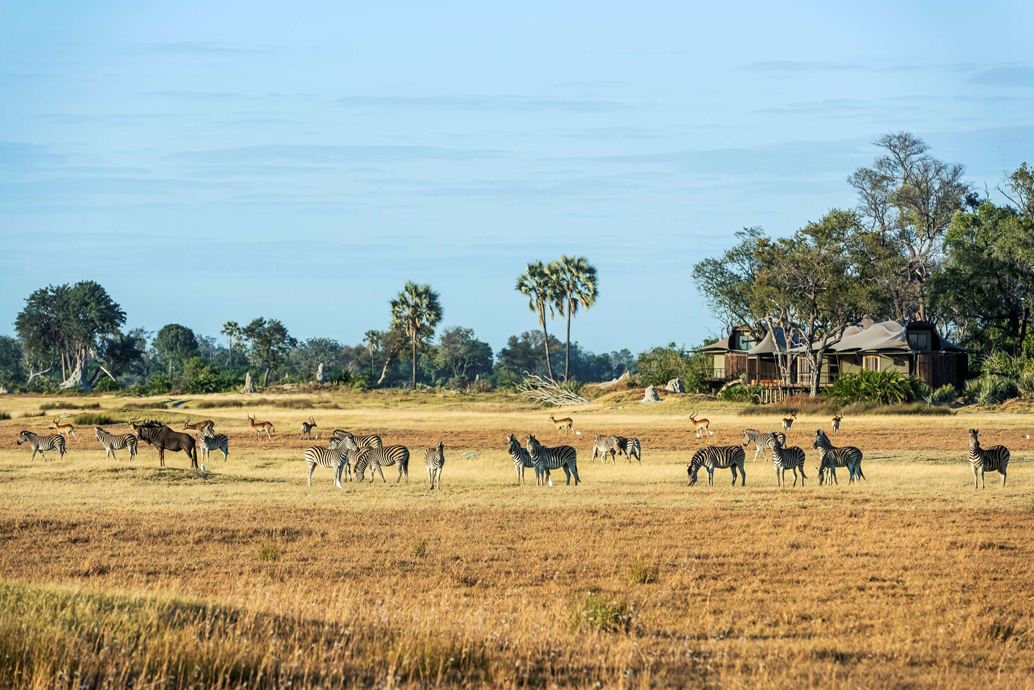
pixel 122 574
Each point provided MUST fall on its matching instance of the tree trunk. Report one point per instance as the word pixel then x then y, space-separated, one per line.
pixel 567 359
pixel 545 342
pixel 816 369
pixel 77 377
pixel 265 377
pixel 414 361
pixel 170 372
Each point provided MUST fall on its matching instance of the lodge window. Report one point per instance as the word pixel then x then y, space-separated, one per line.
pixel 871 363
pixel 919 340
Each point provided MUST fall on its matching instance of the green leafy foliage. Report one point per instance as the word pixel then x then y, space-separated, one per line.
pixel 883 387
pixel 661 364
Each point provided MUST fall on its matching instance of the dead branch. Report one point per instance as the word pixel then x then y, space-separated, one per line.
pixel 543 390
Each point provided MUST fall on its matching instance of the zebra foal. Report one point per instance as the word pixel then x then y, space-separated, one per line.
pixel 717 457
pixel 208 441
pixel 434 459
pixel 113 442
pixel 40 444
pixel 783 459
pixel 560 457
pixel 993 459
pixel 375 459
pixel 762 441
pixel 831 457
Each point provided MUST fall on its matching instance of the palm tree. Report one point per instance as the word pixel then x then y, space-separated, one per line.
pixel 537 283
pixel 232 331
pixel 416 311
pixel 576 286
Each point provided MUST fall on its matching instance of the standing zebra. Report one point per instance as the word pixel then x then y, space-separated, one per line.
pixel 336 459
pixel 42 443
pixel 556 458
pixel 994 459
pixel 378 458
pixel 784 459
pixel 604 445
pixel 522 459
pixel 762 441
pixel 113 442
pixel 208 441
pixel 629 447
pixel 717 457
pixel 368 441
pixel 434 458
pixel 831 457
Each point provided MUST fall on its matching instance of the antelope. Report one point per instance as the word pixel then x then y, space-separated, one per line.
pixel 701 425
pixel 259 427
pixel 787 423
pixel 565 423
pixel 196 427
pixel 836 424
pixel 64 429
pixel 307 428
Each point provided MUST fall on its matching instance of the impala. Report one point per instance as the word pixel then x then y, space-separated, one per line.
pixel 64 429
pixel 787 423
pixel 196 427
pixel 565 423
pixel 836 424
pixel 307 428
pixel 259 427
pixel 701 425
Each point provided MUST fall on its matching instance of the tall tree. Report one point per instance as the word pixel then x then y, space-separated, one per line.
pixel 175 344
pixel 728 281
pixel 11 366
pixel 539 286
pixel 462 353
pixel 270 344
pixel 416 311
pixel 233 333
pixel 909 197
pixel 576 286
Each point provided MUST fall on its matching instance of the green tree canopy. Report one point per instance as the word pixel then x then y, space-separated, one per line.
pixel 416 311
pixel 462 353
pixel 576 286
pixel 175 344
pixel 539 285
pixel 270 344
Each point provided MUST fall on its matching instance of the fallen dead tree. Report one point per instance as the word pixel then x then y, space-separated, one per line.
pixel 543 390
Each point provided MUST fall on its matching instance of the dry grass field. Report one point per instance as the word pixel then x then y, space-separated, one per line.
pixel 120 574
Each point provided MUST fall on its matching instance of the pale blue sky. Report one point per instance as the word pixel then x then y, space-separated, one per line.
pixel 214 161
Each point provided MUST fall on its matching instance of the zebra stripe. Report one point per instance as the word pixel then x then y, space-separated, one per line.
pixel 336 459
pixel 378 458
pixel 993 459
pixel 368 441
pixel 522 459
pixel 113 442
pixel 208 441
pixel 42 443
pixel 604 445
pixel 434 459
pixel 831 457
pixel 629 447
pixel 783 459
pixel 762 441
pixel 564 457
pixel 717 457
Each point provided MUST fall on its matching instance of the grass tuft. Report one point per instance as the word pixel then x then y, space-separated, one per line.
pixel 642 570
pixel 601 612
pixel 269 550
pixel 419 548
pixel 69 406
pixel 4 416
pixel 94 419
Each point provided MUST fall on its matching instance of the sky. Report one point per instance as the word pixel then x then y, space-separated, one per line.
pixel 208 162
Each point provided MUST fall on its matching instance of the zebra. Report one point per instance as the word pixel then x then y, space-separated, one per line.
pixel 717 457
pixel 113 442
pixel 605 445
pixel 377 458
pixel 434 458
pixel 629 447
pixel 368 441
pixel 337 459
pixel 994 459
pixel 208 441
pixel 522 459
pixel 783 459
pixel 761 441
pixel 831 457
pixel 42 443
pixel 559 457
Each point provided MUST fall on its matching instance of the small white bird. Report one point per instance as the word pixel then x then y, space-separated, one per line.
pixel 578 432
pixel 550 482
pixel 470 455
pixel 202 468
pixel 1028 436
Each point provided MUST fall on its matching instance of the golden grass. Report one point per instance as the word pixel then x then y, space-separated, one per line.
pixel 117 574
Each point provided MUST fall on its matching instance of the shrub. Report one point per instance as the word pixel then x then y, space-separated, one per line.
pixel 1025 384
pixel 159 385
pixel 4 416
pixel 458 383
pixel 994 390
pixel 599 612
pixel 883 387
pixel 945 395
pixel 481 386
pixel 998 363
pixel 741 392
pixel 93 419
pixel 661 364
pixel 106 385
pixel 69 406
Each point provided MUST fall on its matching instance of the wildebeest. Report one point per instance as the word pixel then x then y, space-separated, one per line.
pixel 163 438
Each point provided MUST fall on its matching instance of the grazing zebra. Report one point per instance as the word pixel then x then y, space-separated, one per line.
pixel 717 457
pixel 42 443
pixel 629 447
pixel 556 458
pixel 434 458
pixel 113 442
pixel 994 459
pixel 831 457
pixel 604 445
pixel 378 458
pixel 761 441
pixel 787 458
pixel 208 441
pixel 522 459
pixel 336 459
pixel 368 441
pixel 307 428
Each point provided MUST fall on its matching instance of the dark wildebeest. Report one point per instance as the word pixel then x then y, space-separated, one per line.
pixel 163 438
